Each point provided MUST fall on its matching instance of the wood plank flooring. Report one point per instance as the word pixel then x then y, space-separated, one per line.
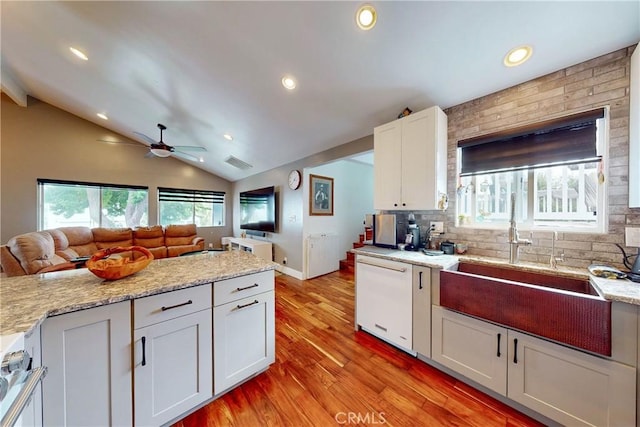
pixel 328 374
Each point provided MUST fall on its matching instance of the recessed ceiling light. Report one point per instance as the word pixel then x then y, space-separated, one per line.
pixel 366 17
pixel 289 82
pixel 227 137
pixel 80 54
pixel 102 116
pixel 517 56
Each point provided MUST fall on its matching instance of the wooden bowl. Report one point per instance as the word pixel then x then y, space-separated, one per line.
pixel 104 266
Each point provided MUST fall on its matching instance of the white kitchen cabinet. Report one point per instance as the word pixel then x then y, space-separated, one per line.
pixel 566 385
pixel 173 368
pixel 384 300
pixel 421 302
pixel 471 347
pixel 410 162
pixel 88 354
pixel 569 386
pixel 32 413
pixel 259 248
pixel 634 130
pixel 244 325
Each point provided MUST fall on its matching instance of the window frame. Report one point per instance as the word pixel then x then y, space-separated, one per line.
pixel 182 195
pixel 602 223
pixel 42 182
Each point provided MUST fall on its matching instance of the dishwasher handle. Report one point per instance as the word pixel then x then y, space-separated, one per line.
pixel 387 267
pixel 23 397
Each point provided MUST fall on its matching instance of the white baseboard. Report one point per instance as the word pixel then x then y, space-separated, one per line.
pixel 290 272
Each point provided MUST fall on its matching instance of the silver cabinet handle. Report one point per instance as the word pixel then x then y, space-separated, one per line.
pixel 24 396
pixel 163 308
pixel 255 285
pixel 388 267
pixel 246 305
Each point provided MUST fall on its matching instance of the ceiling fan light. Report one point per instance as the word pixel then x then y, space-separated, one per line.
pixel 80 54
pixel 160 152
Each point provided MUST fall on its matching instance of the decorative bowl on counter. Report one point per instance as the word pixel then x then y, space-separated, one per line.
pixel 109 267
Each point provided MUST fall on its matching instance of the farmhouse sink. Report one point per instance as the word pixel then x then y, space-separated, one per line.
pixel 563 309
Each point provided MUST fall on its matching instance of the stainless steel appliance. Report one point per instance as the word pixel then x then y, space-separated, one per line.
pixel 385 230
pixel 17 380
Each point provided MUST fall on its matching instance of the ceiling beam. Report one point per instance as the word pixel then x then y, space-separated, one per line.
pixel 12 88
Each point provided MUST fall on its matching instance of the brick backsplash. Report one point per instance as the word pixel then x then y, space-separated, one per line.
pixel 602 81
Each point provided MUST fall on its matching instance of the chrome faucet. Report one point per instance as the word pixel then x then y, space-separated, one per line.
pixel 514 238
pixel 553 261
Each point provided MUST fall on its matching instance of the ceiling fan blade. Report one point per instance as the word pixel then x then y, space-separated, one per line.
pixel 146 138
pixel 190 147
pixel 186 156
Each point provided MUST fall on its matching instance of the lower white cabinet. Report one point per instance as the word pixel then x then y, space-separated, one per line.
pixel 384 299
pixel 88 354
pixel 173 357
pixel 422 310
pixel 244 321
pixel 566 385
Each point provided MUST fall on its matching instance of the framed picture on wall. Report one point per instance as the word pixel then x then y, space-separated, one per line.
pixel 320 195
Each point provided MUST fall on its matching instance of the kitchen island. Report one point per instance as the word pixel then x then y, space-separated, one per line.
pixel 147 341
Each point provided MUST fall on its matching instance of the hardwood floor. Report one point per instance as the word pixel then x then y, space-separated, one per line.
pixel 327 374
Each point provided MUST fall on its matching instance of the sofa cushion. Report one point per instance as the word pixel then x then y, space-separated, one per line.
pixel 112 237
pixel 148 237
pixel 80 240
pixel 35 251
pixel 61 244
pixel 180 234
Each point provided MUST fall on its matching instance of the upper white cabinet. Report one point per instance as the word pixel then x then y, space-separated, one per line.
pixel 634 131
pixel 410 162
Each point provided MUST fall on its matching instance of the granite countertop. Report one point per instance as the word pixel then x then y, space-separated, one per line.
pixel 25 301
pixel 621 290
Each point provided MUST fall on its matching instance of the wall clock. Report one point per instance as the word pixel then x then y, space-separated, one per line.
pixel 294 179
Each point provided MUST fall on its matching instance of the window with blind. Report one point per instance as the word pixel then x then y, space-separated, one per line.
pixel 200 207
pixel 72 203
pixel 554 167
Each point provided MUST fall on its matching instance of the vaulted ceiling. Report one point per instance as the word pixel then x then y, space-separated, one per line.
pixel 204 69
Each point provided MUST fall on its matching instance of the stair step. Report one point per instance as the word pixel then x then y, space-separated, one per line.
pixel 350 256
pixel 361 237
pixel 357 245
pixel 346 266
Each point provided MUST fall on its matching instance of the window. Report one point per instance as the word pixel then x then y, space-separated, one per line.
pixel 199 207
pixel 554 168
pixel 69 203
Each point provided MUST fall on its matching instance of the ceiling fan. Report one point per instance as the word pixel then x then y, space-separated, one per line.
pixel 160 149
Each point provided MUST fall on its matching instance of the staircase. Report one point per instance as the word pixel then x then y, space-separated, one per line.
pixel 348 264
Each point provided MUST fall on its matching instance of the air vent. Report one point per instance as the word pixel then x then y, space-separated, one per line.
pixel 236 162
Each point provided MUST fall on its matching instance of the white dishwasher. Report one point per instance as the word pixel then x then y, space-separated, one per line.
pixel 384 300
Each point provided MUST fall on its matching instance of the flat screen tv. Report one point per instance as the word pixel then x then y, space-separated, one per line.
pixel 258 209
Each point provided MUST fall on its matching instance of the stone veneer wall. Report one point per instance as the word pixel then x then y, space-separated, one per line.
pixel 598 82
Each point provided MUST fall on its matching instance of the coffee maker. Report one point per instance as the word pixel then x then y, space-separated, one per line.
pixel 413 234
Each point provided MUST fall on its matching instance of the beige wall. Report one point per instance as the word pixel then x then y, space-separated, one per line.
pixel 598 82
pixel 42 141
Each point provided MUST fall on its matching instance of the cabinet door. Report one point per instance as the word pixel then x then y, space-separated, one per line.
pixel 418 149
pixel 571 387
pixel 244 339
pixel 471 347
pixel 173 367
pixel 88 354
pixel 387 169
pixel 32 413
pixel 383 299
pixel 422 310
